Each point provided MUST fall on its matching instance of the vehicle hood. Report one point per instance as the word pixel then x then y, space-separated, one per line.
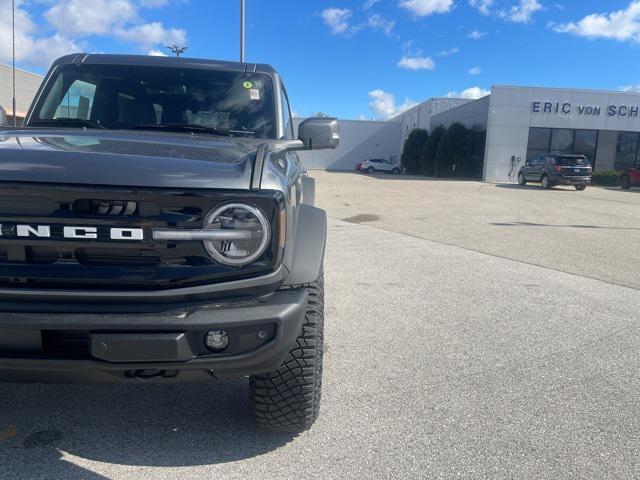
pixel 126 158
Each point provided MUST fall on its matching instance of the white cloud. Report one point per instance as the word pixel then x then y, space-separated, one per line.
pixel 630 88
pixel 378 22
pixel 369 3
pixel 475 70
pixel 471 93
pixel 522 12
pixel 384 104
pixel 448 53
pixel 621 25
pixel 337 19
pixel 156 53
pixel 422 8
pixel 483 5
pixel 476 34
pixel 74 21
pixel 416 63
pixel 83 18
pixel 31 48
pixel 150 34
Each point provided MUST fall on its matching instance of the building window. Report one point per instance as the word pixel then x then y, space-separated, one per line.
pixel 627 150
pixel 586 143
pixel 563 141
pixel 539 140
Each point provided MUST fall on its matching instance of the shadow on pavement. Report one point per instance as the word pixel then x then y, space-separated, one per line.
pixel 137 425
pixel 535 186
pixel 530 224
pixel 387 176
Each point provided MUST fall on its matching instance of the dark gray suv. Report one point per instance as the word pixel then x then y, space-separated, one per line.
pixel 557 169
pixel 157 225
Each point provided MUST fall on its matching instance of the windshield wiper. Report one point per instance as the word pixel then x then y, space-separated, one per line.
pixel 184 127
pixel 67 122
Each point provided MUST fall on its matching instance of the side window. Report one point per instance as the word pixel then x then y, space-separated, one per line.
pixel 77 102
pixel 286 115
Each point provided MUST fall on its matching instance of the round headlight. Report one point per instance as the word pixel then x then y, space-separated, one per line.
pixel 252 234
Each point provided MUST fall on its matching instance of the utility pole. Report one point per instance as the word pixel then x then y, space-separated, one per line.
pixel 13 56
pixel 176 49
pixel 242 33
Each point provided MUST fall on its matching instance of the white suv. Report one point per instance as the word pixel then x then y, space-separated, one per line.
pixel 372 165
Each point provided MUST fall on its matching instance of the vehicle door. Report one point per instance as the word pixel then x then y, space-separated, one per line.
pixel 541 167
pixel 530 168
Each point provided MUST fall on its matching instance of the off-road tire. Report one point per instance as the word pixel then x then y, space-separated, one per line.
pixel 580 188
pixel 288 399
pixel 521 180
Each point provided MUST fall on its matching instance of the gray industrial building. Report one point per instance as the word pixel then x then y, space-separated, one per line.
pixel 517 123
pixel 27 85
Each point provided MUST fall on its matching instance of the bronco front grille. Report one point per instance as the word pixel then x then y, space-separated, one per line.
pixel 106 264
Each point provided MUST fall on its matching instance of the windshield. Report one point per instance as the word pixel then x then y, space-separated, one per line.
pixel 129 97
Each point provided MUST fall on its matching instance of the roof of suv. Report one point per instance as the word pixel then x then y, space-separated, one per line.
pixel 155 61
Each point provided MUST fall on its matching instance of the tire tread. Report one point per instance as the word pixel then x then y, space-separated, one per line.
pixel 288 398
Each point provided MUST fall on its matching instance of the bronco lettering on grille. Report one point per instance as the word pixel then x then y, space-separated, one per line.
pixel 69 232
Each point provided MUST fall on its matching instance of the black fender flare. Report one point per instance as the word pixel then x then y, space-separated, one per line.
pixel 308 246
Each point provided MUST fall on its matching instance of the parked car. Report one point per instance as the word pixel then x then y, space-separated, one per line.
pixel 630 178
pixel 153 232
pixel 372 165
pixel 557 169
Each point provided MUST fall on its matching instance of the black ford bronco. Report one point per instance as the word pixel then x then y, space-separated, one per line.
pixel 157 225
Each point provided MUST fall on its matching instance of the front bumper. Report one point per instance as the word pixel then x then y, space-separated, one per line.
pixel 160 347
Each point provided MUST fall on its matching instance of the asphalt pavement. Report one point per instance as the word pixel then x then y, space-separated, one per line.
pixel 442 361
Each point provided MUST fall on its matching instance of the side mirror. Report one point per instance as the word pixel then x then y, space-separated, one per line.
pixel 319 133
pixel 3 118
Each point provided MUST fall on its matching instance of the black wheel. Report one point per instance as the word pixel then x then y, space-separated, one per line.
pixel 395 171
pixel 288 399
pixel 370 170
pixel 625 182
pixel 521 180
pixel 546 184
pixel 580 187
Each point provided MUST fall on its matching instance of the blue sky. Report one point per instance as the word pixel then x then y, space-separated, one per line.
pixel 357 58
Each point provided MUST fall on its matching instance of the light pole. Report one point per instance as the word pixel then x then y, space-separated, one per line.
pixel 176 49
pixel 13 56
pixel 242 22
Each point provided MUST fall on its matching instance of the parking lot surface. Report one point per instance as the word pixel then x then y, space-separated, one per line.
pixel 473 331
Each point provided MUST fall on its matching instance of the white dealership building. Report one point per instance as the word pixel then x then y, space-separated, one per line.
pixel 518 123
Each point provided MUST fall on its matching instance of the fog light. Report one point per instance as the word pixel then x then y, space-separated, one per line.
pixel 262 334
pixel 216 340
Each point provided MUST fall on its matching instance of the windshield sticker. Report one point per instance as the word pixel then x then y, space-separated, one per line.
pixel 254 94
pixel 247 85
